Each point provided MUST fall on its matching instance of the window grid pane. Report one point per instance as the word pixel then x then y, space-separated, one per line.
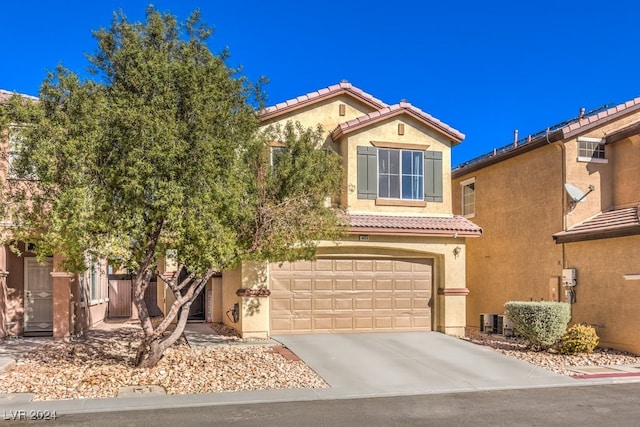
pixel 469 199
pixel 400 174
pixel 594 150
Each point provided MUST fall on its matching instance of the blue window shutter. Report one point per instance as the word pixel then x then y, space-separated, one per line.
pixel 433 176
pixel 367 173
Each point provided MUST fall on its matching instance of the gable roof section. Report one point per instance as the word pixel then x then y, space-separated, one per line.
pixel 395 110
pixel 567 129
pixel 587 123
pixel 5 95
pixel 455 226
pixel 615 223
pixel 333 91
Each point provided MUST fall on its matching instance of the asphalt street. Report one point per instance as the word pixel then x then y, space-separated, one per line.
pixel 596 405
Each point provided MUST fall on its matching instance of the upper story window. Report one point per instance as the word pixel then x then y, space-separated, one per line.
pixel 468 197
pixel 591 150
pixel 400 174
pixel 410 175
pixel 276 152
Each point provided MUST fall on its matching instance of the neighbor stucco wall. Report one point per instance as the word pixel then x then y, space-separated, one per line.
pixel 625 156
pixel 604 298
pixel 519 205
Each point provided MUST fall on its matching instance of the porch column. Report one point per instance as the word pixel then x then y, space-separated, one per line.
pixel 62 300
pixel 452 293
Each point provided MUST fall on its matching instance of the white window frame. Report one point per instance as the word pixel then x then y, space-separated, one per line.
pixel 95 282
pixel 401 175
pixel 593 145
pixel 464 203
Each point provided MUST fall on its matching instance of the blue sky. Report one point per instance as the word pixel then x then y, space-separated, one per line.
pixel 485 68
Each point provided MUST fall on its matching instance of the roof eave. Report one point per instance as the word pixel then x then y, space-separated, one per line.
pixel 340 131
pixel 413 232
pixel 264 116
pixel 570 237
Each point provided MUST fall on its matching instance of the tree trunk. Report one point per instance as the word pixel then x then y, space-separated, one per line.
pixel 155 342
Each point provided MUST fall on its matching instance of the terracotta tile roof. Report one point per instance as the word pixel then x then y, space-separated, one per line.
pixel 426 226
pixel 5 95
pixel 402 107
pixel 615 223
pixel 328 92
pixel 602 117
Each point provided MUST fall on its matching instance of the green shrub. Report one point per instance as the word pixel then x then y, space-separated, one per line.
pixel 541 323
pixel 579 339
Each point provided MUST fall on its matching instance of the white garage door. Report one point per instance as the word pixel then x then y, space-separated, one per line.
pixel 351 295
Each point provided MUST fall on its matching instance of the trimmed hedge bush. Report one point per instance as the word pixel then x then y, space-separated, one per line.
pixel 541 323
pixel 579 339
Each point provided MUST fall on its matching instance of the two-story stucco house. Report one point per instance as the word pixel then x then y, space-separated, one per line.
pixel 402 265
pixel 37 298
pixel 559 211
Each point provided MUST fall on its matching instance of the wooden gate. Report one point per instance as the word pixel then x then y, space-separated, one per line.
pixel 119 297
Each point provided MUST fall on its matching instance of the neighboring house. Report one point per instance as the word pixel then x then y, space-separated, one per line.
pixel 401 266
pixel 561 202
pixel 37 298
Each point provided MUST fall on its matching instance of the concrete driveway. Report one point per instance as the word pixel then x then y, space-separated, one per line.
pixel 377 364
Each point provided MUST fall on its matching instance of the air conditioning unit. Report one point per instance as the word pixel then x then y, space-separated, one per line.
pixel 507 327
pixel 488 323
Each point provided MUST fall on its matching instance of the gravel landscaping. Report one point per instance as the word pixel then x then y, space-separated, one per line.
pixel 559 363
pixel 100 365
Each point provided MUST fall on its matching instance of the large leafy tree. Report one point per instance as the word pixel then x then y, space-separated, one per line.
pixel 160 149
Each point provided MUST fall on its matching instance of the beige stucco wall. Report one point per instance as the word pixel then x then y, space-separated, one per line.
pixel 519 205
pixel 253 319
pixel 604 298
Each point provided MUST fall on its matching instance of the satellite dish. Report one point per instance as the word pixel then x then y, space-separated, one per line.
pixel 574 192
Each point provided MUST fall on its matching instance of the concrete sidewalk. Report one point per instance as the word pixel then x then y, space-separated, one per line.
pixel 355 366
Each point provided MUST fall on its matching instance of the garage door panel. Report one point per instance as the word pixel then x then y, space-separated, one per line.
pixel 364 265
pixel 341 304
pixel 323 303
pixel 364 284
pixel 402 303
pixel 280 304
pixel 364 303
pixel 343 284
pixel 383 265
pixel 343 323
pixel 323 265
pixel 301 285
pixel 302 304
pixel 343 265
pixel 384 284
pixel 342 295
pixel 322 284
pixel 402 285
pixel 421 303
pixel 364 323
pixel 383 322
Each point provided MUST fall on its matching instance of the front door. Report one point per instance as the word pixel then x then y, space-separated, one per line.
pixel 38 297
